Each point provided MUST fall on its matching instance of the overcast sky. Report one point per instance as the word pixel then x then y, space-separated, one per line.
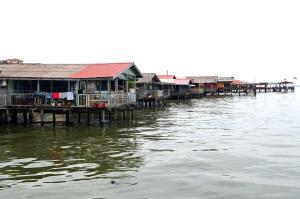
pixel 250 40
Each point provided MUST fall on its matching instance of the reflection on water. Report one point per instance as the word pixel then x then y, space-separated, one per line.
pixel 61 154
pixel 233 147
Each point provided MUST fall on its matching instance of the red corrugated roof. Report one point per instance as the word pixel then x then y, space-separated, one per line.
pixel 101 70
pixel 166 76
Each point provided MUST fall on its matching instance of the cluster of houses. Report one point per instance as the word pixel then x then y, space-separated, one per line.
pixel 98 85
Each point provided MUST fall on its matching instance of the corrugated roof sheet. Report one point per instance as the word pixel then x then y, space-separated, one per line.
pixel 148 77
pixel 102 70
pixel 203 79
pixel 166 76
pixel 225 79
pixel 182 81
pixel 65 71
pixel 38 70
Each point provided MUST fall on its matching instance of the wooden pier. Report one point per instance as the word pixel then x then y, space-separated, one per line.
pixel 49 115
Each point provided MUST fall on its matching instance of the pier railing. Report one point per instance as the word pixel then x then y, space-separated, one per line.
pixel 26 99
pixel 180 92
pixel 83 100
pixel 110 100
pixel 197 91
pixel 150 94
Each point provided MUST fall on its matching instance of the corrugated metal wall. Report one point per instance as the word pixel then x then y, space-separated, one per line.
pixel 3 96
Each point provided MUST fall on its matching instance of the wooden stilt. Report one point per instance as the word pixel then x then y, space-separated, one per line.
pixel 30 116
pixel 6 117
pixel 110 116
pixel 67 118
pixel 42 117
pixel 103 116
pixel 70 117
pixel 124 115
pixel 115 116
pixel 53 118
pixel 24 116
pixel 132 114
pixel 88 117
pixel 99 115
pixel 15 117
pixel 79 118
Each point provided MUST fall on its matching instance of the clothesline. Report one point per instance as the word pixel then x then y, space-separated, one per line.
pixel 57 95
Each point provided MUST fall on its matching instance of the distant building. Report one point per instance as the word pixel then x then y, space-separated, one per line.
pixel 204 84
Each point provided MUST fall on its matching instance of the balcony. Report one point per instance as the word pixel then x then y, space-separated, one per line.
pixel 80 100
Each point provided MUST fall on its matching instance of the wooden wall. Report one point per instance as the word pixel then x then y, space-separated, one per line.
pixel 3 96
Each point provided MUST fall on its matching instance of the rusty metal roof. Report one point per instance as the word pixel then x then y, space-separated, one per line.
pixel 148 77
pixel 203 79
pixel 226 79
pixel 65 71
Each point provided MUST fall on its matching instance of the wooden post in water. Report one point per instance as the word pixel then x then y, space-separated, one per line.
pixel 79 117
pixel 70 117
pixel 53 118
pixel 24 116
pixel 266 87
pixel 14 116
pixel 67 118
pixel 103 116
pixel 42 116
pixel 99 117
pixel 6 117
pixel 30 116
pixel 110 116
pixel 88 117
pixel 115 116
pixel 124 114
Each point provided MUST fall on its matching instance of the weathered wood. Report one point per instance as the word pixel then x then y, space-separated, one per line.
pixel 24 116
pixel 30 116
pixel 110 116
pixel 79 117
pixel 88 117
pixel 42 117
pixel 67 118
pixel 70 117
pixel 6 117
pixel 53 118
pixel 99 115
pixel 103 116
pixel 124 115
pixel 14 117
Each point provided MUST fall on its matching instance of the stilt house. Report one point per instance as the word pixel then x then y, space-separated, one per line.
pixel 82 85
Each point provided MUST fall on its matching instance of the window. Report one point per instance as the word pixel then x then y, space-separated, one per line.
pixel 112 85
pixel 82 87
pixel 26 86
pixel 60 86
pixel 45 86
pixel 104 85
